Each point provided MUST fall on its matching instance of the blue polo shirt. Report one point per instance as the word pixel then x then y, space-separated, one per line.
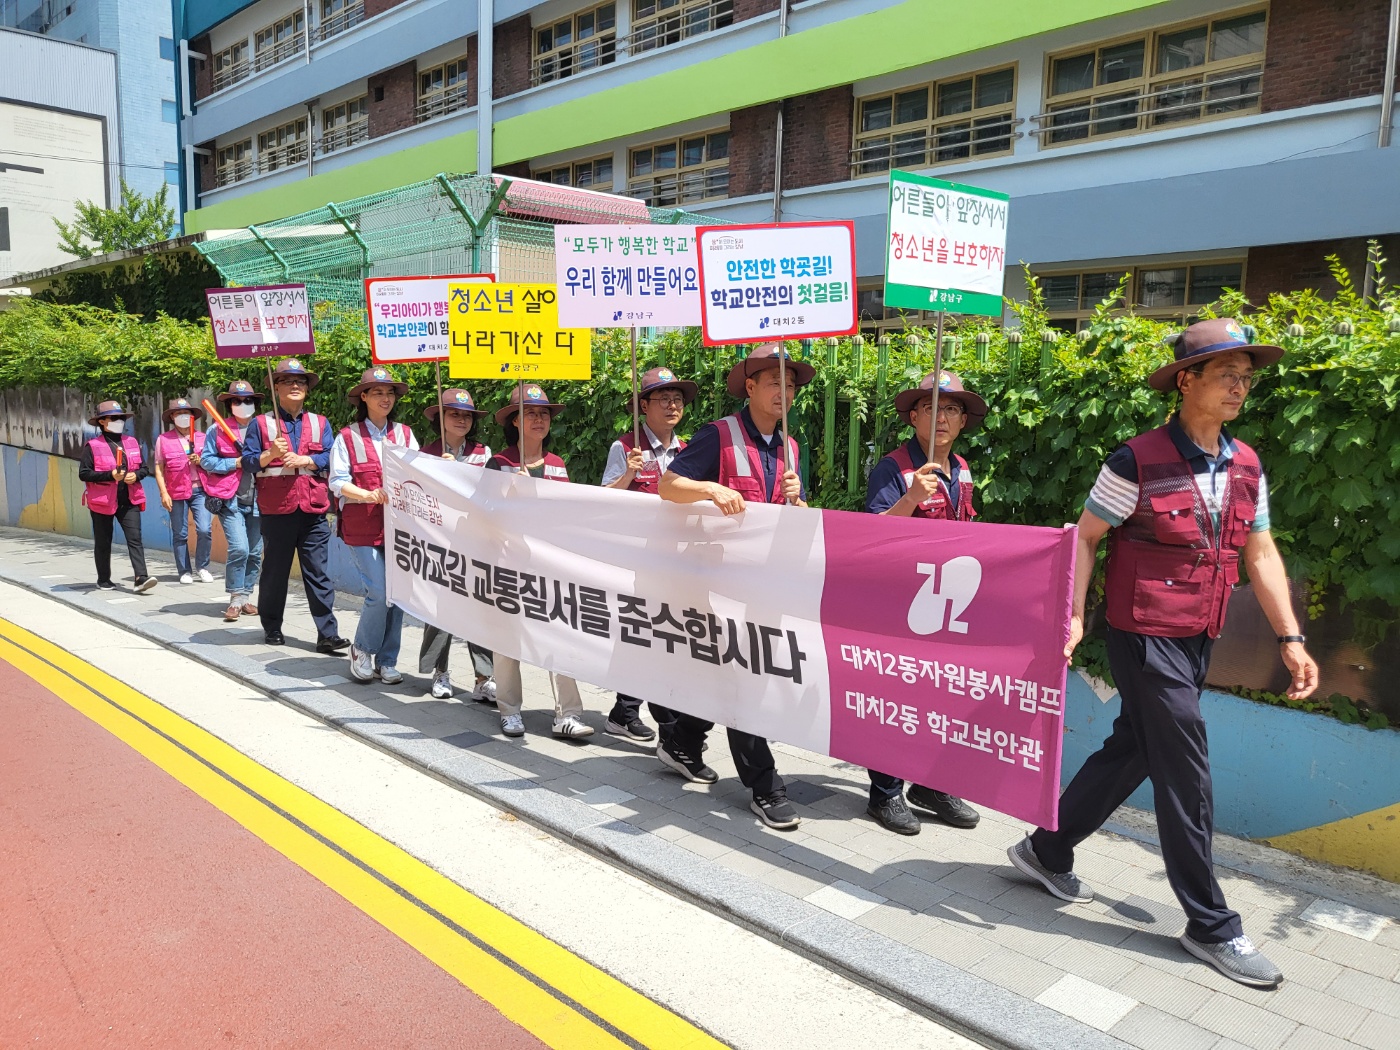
pixel 885 487
pixel 291 428
pixel 699 460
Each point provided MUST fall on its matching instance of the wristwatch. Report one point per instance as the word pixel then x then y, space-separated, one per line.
pixel 1284 639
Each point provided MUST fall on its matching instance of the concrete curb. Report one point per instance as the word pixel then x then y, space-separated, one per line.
pixel 978 1009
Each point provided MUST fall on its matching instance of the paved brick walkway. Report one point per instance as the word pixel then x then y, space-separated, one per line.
pixel 1113 965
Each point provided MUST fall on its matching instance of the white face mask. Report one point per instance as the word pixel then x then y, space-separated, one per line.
pixel 115 426
pixel 244 411
pixel 182 420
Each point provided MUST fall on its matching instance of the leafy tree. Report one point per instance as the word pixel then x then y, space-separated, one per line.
pixel 137 221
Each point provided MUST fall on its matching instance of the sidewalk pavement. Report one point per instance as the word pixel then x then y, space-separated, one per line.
pixel 940 922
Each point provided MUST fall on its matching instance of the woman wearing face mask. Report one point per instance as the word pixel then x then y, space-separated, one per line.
pixel 357 477
pixel 112 467
pixel 454 441
pixel 526 421
pixel 228 490
pixel 181 482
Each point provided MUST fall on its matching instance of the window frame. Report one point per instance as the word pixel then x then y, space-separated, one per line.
pixel 450 98
pixel 1074 320
pixel 707 170
pixel 670 23
pixel 234 162
pixel 279 156
pixel 605 40
pixel 571 169
pixel 239 66
pixel 278 51
pixel 351 132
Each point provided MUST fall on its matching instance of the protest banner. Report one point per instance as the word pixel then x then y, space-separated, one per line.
pixel 615 276
pixel 930 653
pixel 268 321
pixel 792 280
pixel 511 331
pixel 408 316
pixel 946 246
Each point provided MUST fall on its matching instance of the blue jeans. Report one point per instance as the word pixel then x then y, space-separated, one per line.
pixel 381 625
pixel 243 530
pixel 180 532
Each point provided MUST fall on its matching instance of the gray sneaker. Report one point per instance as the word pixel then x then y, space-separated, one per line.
pixel 1065 885
pixel 1238 960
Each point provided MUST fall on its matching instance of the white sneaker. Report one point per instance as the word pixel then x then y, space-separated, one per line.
pixel 361 665
pixel 205 576
pixel 484 691
pixel 571 728
pixel 390 675
pixel 442 686
pixel 186 578
pixel 512 725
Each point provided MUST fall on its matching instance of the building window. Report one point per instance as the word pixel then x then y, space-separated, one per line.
pixel 169 112
pixel 1181 75
pixel 172 173
pixel 231 65
pixel 283 146
pixel 659 23
pixel 681 171
pixel 1170 291
pixel 585 174
pixel 582 41
pixel 233 163
pixel 280 41
pixel 442 89
pixel 339 15
pixel 167 48
pixel 344 124
pixel 938 123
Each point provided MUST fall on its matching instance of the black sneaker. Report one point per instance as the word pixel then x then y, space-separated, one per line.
pixel 948 808
pixel 144 584
pixel 895 815
pixel 775 810
pixel 633 730
pixel 329 646
pixel 686 765
pixel 106 585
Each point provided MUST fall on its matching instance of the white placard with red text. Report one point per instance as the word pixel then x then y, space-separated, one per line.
pixel 408 317
pixel 618 276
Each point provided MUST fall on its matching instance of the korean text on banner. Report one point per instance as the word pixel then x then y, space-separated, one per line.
pixel 269 321
pixel 933 653
pixel 511 331
pixel 408 317
pixel 946 248
pixel 792 280
pixel 626 276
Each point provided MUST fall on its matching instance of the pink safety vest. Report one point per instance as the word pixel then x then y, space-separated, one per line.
pixel 362 524
pixel 282 490
pixel 740 467
pixel 938 505
pixel 171 453
pixel 648 479
pixel 225 486
pixel 475 453
pixel 101 496
pixel 509 458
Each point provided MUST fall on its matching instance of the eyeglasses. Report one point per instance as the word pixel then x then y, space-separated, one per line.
pixel 946 409
pixel 669 400
pixel 293 381
pixel 1229 380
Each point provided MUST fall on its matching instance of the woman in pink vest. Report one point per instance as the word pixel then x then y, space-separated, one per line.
pixel 229 496
pixel 454 442
pixel 527 422
pixel 112 467
pixel 181 480
pixel 357 478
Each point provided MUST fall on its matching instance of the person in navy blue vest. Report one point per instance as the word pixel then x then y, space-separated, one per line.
pixel 907 483
pixel 1182 505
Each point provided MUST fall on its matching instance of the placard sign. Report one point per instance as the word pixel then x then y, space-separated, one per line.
pixel 791 280
pixel 271 320
pixel 511 331
pixel 636 276
pixel 946 248
pixel 408 316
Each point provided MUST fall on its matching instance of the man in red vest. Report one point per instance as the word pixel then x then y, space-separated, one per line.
pixel 1184 504
pixel 729 461
pixel 907 483
pixel 289 450
pixel 661 399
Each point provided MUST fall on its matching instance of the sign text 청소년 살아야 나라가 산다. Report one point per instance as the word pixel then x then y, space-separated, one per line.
pixel 511 331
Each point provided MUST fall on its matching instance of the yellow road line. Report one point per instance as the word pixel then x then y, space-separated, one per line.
pixel 487 950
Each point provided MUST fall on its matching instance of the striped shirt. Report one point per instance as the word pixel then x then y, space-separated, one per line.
pixel 1114 496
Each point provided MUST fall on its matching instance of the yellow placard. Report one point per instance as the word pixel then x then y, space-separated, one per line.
pixel 511 331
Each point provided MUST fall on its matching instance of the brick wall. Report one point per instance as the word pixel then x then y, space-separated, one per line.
pixel 510 60
pixel 753 8
pixel 376 7
pixel 1324 52
pixel 204 169
pixel 1294 267
pixel 751 149
pixel 203 82
pixel 472 91
pixel 817 138
pixel 392 97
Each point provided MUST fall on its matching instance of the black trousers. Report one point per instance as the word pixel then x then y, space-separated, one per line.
pixel 1160 734
pixel 627 708
pixel 128 517
pixel 308 536
pixel 753 758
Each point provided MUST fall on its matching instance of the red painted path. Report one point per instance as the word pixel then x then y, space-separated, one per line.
pixel 135 914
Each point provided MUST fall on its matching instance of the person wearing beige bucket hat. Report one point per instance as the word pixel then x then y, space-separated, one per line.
pixel 112 466
pixel 909 482
pixel 1182 506
pixel 181 481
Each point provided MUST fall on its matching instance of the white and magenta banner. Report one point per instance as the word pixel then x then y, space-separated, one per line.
pixel 621 276
pixel 928 650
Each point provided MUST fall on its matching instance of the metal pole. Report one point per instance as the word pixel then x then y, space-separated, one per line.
pixel 441 429
pixel 778 129
pixel 1388 86
pixel 636 420
pixel 485 46
pixel 937 376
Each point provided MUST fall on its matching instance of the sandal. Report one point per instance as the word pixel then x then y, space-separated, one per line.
pixel 231 614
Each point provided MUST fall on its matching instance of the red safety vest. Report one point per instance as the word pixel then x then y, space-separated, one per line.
pixel 740 467
pixel 1170 572
pixel 509 458
pixel 224 486
pixel 938 505
pixel 282 490
pixel 648 479
pixel 362 524
pixel 172 454
pixel 475 454
pixel 101 496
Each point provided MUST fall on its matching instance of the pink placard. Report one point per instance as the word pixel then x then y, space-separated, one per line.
pixel 271 320
pixel 955 676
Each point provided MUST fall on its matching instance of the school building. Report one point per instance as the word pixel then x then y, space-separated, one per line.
pixel 1196 144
